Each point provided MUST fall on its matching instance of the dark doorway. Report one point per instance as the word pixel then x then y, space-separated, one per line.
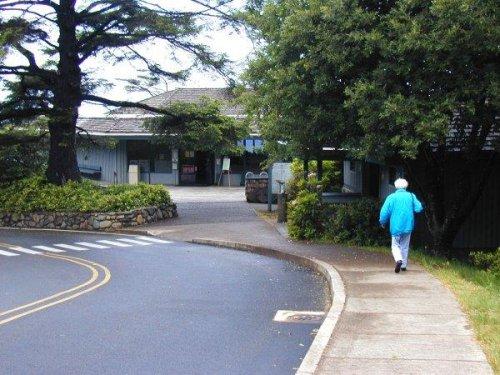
pixel 196 168
pixel 371 180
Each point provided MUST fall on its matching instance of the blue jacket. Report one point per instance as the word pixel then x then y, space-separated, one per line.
pixel 399 207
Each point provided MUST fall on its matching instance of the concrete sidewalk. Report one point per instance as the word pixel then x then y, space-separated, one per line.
pixel 405 323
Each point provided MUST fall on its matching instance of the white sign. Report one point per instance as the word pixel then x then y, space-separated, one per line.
pixel 225 164
pixel 281 172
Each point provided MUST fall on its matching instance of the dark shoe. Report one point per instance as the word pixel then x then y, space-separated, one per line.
pixel 398 266
pixel 403 268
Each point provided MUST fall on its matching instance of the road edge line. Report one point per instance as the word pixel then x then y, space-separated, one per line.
pixel 311 360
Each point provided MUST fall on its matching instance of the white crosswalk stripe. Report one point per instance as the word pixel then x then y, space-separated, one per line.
pixel 114 243
pixel 135 242
pixel 152 239
pixel 8 254
pixel 70 247
pixel 23 250
pixel 13 250
pixel 48 248
pixel 92 245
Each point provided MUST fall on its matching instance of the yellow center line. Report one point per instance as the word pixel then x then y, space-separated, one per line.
pixel 94 268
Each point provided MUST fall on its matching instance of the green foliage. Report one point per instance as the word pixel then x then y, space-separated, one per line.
pixel 20 161
pixel 42 79
pixel 305 216
pixel 489 261
pixel 199 126
pixel 331 180
pixel 386 81
pixel 297 90
pixel 20 158
pixel 354 223
pixel 435 60
pixel 36 194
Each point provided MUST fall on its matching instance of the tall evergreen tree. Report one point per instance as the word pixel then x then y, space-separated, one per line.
pixel 56 39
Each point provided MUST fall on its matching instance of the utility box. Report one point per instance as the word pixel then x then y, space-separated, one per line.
pixel 133 174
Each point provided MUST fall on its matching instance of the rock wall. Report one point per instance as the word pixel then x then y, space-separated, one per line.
pixel 88 221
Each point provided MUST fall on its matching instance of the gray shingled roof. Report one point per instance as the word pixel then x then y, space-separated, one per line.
pixel 115 123
pixel 189 95
pixel 112 125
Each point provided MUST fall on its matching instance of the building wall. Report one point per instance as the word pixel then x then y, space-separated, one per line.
pixel 103 157
pixel 481 230
pixel 121 162
pixel 164 178
pixel 386 186
pixel 353 179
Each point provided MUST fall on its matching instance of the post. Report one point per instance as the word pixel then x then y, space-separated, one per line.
pixel 270 189
pixel 281 203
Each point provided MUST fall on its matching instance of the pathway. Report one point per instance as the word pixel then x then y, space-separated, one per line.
pixel 405 323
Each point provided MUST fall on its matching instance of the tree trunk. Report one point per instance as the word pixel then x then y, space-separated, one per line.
pixel 63 165
pixel 320 168
pixel 306 168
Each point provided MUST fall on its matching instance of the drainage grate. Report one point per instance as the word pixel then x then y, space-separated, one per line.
pixel 304 317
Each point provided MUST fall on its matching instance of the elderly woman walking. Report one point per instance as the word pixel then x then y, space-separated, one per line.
pixel 399 209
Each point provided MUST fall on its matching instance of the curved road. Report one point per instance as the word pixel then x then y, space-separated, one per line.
pixel 171 307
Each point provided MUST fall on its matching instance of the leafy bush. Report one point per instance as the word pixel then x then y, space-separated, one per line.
pixel 21 160
pixel 305 216
pixel 354 223
pixel 331 180
pixel 489 261
pixel 36 194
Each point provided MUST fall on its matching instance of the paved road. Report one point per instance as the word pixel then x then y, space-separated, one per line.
pixel 169 307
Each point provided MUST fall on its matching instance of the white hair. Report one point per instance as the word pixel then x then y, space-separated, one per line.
pixel 400 183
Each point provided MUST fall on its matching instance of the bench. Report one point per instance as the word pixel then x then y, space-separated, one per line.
pixel 91 171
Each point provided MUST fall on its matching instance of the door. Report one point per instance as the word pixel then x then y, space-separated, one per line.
pixel 371 180
pixel 195 168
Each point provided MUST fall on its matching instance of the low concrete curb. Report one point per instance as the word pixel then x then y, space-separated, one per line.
pixel 313 356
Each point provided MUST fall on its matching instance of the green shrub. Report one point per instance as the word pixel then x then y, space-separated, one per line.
pixel 305 216
pixel 18 161
pixel 36 194
pixel 489 261
pixel 354 223
pixel 331 180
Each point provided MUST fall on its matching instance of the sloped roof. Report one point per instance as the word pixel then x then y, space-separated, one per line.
pixel 112 125
pixel 189 95
pixel 129 121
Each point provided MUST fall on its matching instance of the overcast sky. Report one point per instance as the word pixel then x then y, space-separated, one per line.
pixel 234 44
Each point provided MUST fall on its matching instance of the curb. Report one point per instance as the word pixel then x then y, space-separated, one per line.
pixel 313 356
pixel 124 232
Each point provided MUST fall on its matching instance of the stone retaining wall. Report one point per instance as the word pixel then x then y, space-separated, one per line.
pixel 89 221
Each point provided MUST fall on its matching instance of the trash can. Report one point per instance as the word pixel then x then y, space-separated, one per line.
pixel 133 174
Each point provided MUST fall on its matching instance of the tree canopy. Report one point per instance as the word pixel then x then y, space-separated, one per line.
pixel 198 126
pixel 408 82
pixel 58 39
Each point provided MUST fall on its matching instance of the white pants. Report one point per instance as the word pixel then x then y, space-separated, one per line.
pixel 400 247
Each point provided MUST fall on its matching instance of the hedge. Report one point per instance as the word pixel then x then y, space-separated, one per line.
pixel 35 194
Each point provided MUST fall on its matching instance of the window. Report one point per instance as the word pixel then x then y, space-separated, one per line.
pixel 352 165
pixel 163 161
